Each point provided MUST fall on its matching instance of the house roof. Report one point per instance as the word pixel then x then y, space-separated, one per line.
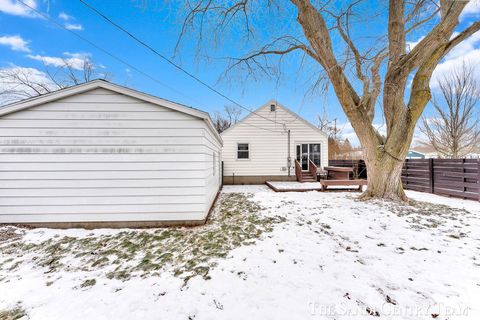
pixel 297 117
pixel 95 84
pixel 411 151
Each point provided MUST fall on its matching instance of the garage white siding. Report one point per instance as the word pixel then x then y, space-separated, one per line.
pixel 268 142
pixel 213 170
pixel 104 156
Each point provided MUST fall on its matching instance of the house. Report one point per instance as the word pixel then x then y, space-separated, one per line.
pixel 272 144
pixel 99 154
pixel 472 155
pixel 412 154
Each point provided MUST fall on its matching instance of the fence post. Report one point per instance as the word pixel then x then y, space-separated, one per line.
pixel 430 175
pixel 478 178
pixel 405 173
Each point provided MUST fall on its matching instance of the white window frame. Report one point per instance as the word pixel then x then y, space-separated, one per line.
pixel 249 150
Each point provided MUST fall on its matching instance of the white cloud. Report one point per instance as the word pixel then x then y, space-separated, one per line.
pixel 17 9
pixel 471 9
pixel 13 90
pixel 64 16
pixel 464 47
pixel 468 51
pixel 15 43
pixel 418 136
pixel 69 25
pixel 74 26
pixel 74 60
pixel 347 132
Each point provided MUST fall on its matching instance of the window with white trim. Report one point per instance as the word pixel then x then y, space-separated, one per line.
pixel 243 151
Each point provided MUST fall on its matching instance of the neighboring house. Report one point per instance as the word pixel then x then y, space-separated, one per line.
pixel 412 154
pixel 473 155
pixel 98 154
pixel 432 155
pixel 266 144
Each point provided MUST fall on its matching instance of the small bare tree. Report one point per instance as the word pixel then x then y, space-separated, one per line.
pixel 328 126
pixel 227 118
pixel 453 131
pixel 17 83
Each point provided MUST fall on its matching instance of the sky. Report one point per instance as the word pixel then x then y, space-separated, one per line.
pixel 30 41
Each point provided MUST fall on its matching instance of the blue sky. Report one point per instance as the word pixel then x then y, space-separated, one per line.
pixel 26 40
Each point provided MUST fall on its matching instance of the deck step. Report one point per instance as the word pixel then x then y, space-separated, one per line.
pixel 308 177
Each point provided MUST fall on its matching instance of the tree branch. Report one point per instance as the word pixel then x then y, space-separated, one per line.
pixel 473 28
pixel 421 81
pixel 433 40
pixel 396 29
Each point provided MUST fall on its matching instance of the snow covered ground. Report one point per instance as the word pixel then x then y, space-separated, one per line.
pixel 331 257
pixel 294 185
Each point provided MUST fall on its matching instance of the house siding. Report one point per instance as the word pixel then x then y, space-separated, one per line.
pixel 213 172
pixel 103 156
pixel 268 143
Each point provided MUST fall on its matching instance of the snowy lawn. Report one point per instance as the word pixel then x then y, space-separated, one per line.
pixel 264 255
pixel 294 185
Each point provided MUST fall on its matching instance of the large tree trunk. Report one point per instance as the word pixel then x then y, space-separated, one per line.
pixel 384 159
pixel 384 178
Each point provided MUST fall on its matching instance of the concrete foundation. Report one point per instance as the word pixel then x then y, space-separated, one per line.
pixel 229 180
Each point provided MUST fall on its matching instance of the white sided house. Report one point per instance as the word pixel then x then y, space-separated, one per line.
pixel 99 154
pixel 273 144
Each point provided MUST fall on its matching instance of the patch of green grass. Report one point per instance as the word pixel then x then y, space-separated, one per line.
pixel 425 215
pixel 101 262
pixel 88 283
pixel 456 236
pixel 418 249
pixel 12 314
pixel 186 252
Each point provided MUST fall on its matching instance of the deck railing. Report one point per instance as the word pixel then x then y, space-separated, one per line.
pixel 298 171
pixel 312 168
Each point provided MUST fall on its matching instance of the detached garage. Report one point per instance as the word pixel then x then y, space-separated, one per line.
pixel 101 155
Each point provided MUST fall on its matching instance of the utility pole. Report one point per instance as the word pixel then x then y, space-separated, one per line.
pixel 335 129
pixel 289 158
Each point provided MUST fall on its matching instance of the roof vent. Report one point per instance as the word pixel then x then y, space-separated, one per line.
pixel 272 107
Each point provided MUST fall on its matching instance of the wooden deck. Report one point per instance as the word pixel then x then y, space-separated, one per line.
pixel 359 182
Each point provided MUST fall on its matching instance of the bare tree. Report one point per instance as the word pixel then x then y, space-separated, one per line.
pixel 330 128
pixel 227 118
pixel 362 65
pixel 453 131
pixel 17 83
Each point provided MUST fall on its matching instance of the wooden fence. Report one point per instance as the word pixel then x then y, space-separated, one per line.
pixel 359 168
pixel 447 177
